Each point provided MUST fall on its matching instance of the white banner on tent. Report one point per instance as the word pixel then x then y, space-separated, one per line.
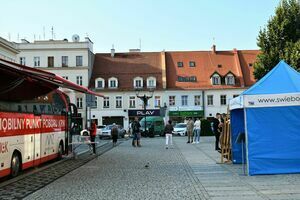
pixel 271 100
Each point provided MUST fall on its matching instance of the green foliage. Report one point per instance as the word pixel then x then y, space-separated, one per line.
pixel 280 39
pixel 206 128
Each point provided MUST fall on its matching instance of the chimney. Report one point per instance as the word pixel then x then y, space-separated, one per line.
pixel 112 51
pixel 213 48
pixel 235 50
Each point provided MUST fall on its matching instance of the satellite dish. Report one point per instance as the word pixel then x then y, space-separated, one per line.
pixel 75 38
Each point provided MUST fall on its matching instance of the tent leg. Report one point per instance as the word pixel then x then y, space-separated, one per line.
pixel 243 161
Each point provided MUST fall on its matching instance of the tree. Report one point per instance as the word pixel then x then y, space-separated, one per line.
pixel 280 39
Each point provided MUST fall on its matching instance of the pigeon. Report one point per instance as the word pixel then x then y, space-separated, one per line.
pixel 147 165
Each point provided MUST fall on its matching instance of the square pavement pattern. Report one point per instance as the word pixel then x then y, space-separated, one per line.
pixel 184 171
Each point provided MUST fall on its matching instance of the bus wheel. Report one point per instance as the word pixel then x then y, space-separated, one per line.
pixel 60 151
pixel 15 165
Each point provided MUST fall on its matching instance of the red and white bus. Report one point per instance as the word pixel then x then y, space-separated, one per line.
pixel 35 117
pixel 33 131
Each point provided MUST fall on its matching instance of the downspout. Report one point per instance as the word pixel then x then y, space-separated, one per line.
pixel 203 105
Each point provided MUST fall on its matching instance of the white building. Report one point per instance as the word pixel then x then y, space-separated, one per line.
pixel 70 60
pixel 8 50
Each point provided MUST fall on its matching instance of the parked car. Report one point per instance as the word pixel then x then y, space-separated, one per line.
pixel 99 130
pixel 180 129
pixel 106 132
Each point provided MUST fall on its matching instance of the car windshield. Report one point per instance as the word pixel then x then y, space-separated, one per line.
pixel 143 124
pixel 109 127
pixel 180 126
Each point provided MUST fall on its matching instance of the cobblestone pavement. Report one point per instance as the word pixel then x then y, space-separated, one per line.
pixel 186 171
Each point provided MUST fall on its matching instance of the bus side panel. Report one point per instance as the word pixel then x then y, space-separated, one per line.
pixel 53 131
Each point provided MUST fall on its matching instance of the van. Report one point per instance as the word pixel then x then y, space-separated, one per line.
pixel 155 126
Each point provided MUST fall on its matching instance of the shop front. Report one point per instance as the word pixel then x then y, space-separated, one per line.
pixel 178 116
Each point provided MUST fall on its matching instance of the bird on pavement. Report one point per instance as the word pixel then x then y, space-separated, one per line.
pixel 147 165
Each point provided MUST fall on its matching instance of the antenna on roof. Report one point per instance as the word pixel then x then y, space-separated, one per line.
pixel 33 37
pixel 44 34
pixel 18 37
pixel 214 41
pixel 8 36
pixel 52 32
pixel 140 40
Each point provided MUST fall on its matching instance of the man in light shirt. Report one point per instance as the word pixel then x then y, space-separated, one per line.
pixel 197 128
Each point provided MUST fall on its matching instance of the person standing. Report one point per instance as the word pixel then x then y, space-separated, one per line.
pixel 190 129
pixel 168 131
pixel 217 133
pixel 93 131
pixel 136 132
pixel 197 127
pixel 114 134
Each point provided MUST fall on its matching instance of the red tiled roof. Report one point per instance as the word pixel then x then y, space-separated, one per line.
pixel 207 63
pixel 126 66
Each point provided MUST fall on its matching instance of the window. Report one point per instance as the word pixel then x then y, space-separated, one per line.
pixel 95 103
pixel 172 100
pixel 99 83
pixel 219 65
pixel 235 95
pixel 50 61
pixel 138 82
pixel 250 64
pixel 229 80
pixel 79 102
pixel 210 100
pixel 151 82
pixel 105 102
pixel 179 64
pixel 78 61
pixel 157 101
pixel 64 61
pixel 187 79
pixel 184 100
pixel 36 61
pixel 132 102
pixel 118 102
pixel 216 80
pixel 79 80
pixel 22 61
pixel 66 77
pixel 197 99
pixel 223 100
pixel 192 64
pixel 113 82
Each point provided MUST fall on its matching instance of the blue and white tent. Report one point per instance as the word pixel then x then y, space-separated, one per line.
pixel 269 115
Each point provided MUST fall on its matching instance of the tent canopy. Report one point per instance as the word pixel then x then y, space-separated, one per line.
pixel 268 113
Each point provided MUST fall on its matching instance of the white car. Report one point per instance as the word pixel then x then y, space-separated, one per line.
pixel 180 129
pixel 99 130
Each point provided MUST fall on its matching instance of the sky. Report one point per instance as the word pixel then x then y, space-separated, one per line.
pixel 171 25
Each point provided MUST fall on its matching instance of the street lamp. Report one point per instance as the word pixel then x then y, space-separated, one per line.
pixel 145 99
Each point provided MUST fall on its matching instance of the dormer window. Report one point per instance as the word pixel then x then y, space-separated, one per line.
pixel 99 83
pixel 229 79
pixel 113 82
pixel 151 82
pixel 216 79
pixel 192 64
pixel 138 82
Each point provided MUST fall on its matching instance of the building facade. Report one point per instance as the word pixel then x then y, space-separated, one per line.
pixel 70 60
pixel 8 50
pixel 186 83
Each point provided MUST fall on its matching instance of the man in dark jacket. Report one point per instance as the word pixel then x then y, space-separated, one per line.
pixel 217 131
pixel 136 132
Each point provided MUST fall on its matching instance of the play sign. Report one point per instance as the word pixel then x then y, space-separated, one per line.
pixel 153 112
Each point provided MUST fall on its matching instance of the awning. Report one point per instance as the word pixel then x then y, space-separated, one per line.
pixel 19 82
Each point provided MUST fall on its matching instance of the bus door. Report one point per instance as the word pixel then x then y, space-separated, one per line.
pixel 37 140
